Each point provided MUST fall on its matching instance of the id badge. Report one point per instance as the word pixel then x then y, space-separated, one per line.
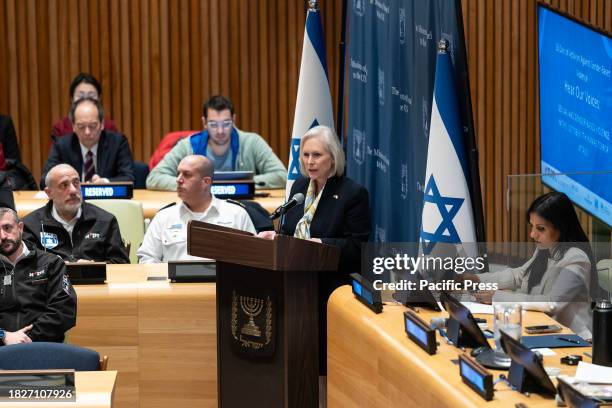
pixel 8 280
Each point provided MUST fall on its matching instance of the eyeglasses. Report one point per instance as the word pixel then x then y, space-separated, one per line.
pixel 81 95
pixel 81 127
pixel 213 125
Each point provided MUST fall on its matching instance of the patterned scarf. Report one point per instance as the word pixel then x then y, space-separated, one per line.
pixel 302 229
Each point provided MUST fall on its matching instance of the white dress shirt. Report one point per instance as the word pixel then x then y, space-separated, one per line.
pixel 68 225
pixel 166 237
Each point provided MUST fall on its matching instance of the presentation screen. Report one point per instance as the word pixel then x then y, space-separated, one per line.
pixel 575 64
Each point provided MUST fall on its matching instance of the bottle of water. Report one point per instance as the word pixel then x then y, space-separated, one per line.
pixel 602 333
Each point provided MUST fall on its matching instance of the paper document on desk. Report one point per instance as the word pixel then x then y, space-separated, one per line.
pixel 593 373
pixel 478 308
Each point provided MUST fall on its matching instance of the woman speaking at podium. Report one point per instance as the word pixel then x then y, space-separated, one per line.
pixel 557 278
pixel 335 211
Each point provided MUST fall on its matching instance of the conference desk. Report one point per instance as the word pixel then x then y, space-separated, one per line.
pixel 152 201
pixel 94 389
pixel 160 337
pixel 372 363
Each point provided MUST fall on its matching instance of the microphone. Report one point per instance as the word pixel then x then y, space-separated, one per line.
pixel 297 199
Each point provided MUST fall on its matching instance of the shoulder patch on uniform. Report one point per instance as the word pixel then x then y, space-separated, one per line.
pixel 66 284
pixel 229 200
pixel 166 206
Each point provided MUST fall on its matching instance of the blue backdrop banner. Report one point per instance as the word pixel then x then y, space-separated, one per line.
pixel 391 66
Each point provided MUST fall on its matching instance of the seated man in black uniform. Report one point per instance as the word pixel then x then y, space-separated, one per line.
pixel 37 301
pixel 71 228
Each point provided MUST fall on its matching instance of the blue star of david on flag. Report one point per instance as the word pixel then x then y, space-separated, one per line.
pixel 448 208
pixel 294 161
pixel 294 165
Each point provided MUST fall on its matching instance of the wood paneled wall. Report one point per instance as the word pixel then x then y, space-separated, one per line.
pixel 501 39
pixel 158 60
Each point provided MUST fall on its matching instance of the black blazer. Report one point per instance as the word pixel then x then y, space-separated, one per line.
pixel 8 139
pixel 342 218
pixel 114 158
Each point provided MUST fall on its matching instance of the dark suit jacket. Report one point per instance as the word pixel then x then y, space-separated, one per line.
pixel 114 158
pixel 342 218
pixel 9 149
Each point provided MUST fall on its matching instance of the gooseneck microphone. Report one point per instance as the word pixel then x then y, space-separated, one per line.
pixel 295 200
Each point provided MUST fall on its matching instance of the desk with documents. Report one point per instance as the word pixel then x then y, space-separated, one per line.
pixel 161 339
pixel 372 363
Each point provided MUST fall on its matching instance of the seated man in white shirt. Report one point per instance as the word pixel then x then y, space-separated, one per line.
pixel 166 237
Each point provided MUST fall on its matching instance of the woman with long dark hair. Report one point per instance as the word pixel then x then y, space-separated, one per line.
pixel 558 278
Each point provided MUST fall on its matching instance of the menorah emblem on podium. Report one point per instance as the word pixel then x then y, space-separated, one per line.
pixel 252 307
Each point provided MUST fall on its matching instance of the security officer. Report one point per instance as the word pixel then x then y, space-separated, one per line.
pixel 37 301
pixel 71 228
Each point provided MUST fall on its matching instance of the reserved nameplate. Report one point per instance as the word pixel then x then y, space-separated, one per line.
pixel 37 386
pixel 365 293
pixel 233 189
pixel 419 332
pixel 124 190
pixel 476 377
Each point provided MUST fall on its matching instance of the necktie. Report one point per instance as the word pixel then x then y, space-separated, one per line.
pixel 89 166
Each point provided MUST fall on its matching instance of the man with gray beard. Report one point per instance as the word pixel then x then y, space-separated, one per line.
pixel 71 228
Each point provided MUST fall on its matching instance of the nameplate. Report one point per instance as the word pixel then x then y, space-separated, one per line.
pixel 192 271
pixel 476 377
pixel 86 273
pixel 233 189
pixel 33 386
pixel 123 191
pixel 364 292
pixel 419 332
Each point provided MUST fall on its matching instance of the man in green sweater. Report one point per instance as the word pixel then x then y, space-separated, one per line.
pixel 229 148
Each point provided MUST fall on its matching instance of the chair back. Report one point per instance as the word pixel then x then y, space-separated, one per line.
pixel 604 273
pixel 48 356
pixel 141 171
pixel 166 144
pixel 130 216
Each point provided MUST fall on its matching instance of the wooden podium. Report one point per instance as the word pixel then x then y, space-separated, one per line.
pixel 267 315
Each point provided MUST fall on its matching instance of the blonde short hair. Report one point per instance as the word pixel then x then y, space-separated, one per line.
pixel 332 145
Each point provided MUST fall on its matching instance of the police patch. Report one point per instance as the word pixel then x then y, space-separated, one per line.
pixel 48 240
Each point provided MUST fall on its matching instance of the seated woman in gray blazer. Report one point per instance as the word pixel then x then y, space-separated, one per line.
pixel 559 276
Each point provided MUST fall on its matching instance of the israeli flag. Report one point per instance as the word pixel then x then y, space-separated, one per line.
pixel 447 207
pixel 313 106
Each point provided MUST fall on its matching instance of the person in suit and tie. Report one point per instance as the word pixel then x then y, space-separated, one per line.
pixel 100 156
pixel 336 211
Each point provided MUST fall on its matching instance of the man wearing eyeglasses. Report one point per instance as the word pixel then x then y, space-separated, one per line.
pixel 98 155
pixel 226 146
